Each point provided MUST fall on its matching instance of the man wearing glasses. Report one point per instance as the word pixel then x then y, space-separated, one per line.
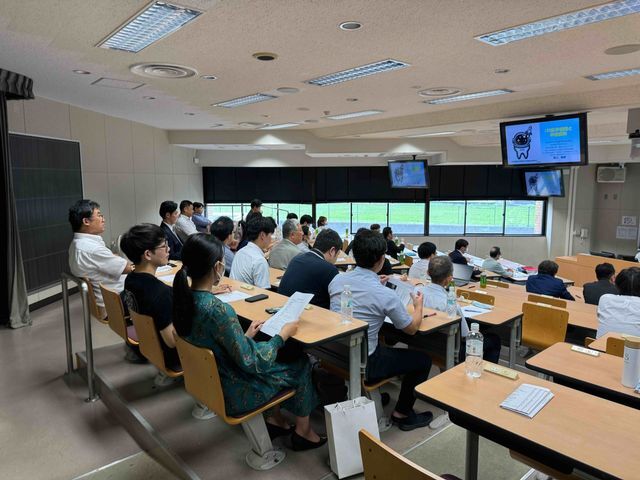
pixel 89 257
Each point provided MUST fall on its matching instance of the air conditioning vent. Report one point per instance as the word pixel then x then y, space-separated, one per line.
pixel 611 174
pixel 161 70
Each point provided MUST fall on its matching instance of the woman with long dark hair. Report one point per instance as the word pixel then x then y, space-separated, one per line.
pixel 249 372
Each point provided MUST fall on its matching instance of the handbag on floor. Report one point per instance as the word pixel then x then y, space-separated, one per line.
pixel 344 420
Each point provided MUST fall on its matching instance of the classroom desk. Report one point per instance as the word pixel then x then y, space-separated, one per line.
pixel 575 432
pixel 317 325
pixel 275 275
pixel 581 314
pixel 582 267
pixel 598 376
pixel 600 344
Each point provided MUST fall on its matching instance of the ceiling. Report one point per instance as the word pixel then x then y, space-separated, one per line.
pixel 47 40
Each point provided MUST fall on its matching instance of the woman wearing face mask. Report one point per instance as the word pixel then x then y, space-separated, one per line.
pixel 249 372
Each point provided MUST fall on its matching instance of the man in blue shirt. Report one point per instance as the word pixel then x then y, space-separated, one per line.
pixel 313 271
pixel 372 303
pixel 546 283
pixel 202 223
pixel 435 296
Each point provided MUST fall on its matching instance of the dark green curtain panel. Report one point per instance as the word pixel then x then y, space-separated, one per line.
pixel 14 307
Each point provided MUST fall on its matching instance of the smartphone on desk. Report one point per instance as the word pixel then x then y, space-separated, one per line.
pixel 256 298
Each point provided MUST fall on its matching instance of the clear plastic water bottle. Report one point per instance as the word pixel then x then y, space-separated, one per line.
pixel 473 360
pixel 452 306
pixel 346 304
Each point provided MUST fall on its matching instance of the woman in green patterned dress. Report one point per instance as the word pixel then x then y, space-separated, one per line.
pixel 249 372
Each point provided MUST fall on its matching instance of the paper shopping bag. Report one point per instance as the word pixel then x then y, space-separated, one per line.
pixel 344 420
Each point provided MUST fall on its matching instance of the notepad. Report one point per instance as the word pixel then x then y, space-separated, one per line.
pixel 232 296
pixel 527 400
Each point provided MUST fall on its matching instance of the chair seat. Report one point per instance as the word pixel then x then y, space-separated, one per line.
pixel 281 397
pixel 370 386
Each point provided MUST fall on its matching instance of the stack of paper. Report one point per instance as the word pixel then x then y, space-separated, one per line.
pixel 527 400
pixel 287 314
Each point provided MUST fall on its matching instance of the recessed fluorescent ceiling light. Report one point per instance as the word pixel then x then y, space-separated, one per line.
pixel 279 126
pixel 357 72
pixel 155 22
pixel 469 96
pixel 241 101
pixel 434 134
pixel 599 13
pixel 363 113
pixel 616 74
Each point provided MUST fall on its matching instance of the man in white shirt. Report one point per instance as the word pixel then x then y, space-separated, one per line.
pixel 621 313
pixel 284 251
pixel 249 265
pixel 89 257
pixel 418 270
pixel 184 226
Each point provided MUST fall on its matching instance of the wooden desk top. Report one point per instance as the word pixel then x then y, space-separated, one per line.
pixel 600 344
pixel 580 314
pixel 275 275
pixel 595 435
pixel 317 325
pixel 599 376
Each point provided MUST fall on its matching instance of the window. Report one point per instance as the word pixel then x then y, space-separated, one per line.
pixel 338 215
pixel 406 218
pixel 238 211
pixel 524 217
pixel 487 217
pixel 297 208
pixel 364 214
pixel 446 218
pixel 232 210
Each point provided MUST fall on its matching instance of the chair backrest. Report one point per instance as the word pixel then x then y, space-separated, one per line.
pixel 588 341
pixel 478 296
pixel 408 261
pixel 543 325
pixel 380 462
pixel 115 312
pixel 201 377
pixel 556 302
pixel 149 341
pixel 496 283
pixel 615 346
pixel 345 244
pixel 93 304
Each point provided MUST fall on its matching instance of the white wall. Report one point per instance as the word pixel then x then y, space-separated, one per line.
pixel 127 167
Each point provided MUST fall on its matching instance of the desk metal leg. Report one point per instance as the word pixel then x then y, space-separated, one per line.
pixel 355 356
pixel 471 458
pixel 451 346
pixel 513 335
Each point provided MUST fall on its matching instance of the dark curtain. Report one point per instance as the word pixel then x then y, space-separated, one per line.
pixel 14 307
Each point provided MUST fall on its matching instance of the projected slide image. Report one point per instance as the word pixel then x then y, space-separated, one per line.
pixel 546 183
pixel 407 174
pixel 544 143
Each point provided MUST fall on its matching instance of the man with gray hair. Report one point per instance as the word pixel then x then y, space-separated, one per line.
pixel 283 252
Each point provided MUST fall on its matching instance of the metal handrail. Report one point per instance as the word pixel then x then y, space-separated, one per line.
pixel 88 340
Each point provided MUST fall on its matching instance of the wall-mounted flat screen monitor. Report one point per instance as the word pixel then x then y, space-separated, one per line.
pixel 545 142
pixel 544 183
pixel 408 174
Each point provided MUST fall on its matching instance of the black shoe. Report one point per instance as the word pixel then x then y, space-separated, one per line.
pixel 275 431
pixel 413 421
pixel 300 444
pixel 386 398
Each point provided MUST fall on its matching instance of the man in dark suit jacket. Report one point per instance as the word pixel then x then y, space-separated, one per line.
pixel 170 213
pixel 546 283
pixel 256 210
pixel 457 256
pixel 605 273
pixel 392 249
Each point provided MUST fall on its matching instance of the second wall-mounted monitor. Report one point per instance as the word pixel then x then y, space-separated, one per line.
pixel 408 174
pixel 545 142
pixel 544 183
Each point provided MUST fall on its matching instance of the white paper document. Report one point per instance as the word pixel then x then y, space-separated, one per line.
pixel 519 276
pixel 232 296
pixel 163 269
pixel 287 314
pixel 471 311
pixel 167 278
pixel 527 400
pixel 403 289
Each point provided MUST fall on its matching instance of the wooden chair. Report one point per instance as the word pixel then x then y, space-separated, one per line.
pixel 202 381
pixel 345 244
pixel 556 302
pixel 615 346
pixel 543 325
pixel 553 473
pixel 588 341
pixel 497 283
pixel 116 317
pixel 478 296
pixel 408 261
pixel 380 462
pixel 149 343
pixel 95 310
